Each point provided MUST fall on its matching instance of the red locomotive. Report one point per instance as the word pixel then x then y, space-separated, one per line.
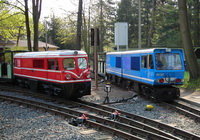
pixel 63 72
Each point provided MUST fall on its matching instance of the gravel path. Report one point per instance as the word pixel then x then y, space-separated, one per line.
pixel 18 122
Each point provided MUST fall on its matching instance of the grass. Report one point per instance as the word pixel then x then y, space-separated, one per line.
pixel 191 84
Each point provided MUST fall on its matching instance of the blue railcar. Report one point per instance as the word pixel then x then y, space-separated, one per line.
pixel 153 72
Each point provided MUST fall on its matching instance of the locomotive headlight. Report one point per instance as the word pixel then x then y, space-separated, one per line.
pixel 88 75
pixel 68 76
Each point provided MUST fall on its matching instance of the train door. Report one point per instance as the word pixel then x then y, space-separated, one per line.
pixel 147 67
pixel 6 69
pixel 53 70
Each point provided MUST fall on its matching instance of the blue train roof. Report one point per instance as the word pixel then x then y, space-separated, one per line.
pixel 144 51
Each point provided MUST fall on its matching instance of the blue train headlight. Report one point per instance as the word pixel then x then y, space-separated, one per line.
pixel 68 76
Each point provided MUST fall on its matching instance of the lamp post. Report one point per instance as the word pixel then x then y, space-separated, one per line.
pixel 107 89
pixel 139 25
pixel 46 48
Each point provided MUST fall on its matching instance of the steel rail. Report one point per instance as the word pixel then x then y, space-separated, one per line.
pixel 125 120
pixel 185 110
pixel 129 133
pixel 190 102
pixel 159 125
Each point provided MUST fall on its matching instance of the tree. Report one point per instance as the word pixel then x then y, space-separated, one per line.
pixel 187 41
pixel 12 24
pixel 28 31
pixel 36 4
pixel 79 25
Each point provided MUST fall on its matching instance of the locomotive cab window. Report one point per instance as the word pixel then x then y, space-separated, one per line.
pixel 69 63
pixel 147 62
pixel 144 61
pixel 53 64
pixel 168 61
pixel 82 63
pixel 150 62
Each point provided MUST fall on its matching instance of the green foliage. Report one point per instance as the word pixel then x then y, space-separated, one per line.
pixel 191 84
pixel 60 32
pixel 11 24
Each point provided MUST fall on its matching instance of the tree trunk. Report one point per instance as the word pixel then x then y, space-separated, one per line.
pixel 28 31
pixel 100 47
pixel 152 24
pixel 187 41
pixel 79 25
pixel 36 16
pixel 196 23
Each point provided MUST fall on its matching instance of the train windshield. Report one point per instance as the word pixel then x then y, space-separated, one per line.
pixel 69 63
pixel 82 63
pixel 168 61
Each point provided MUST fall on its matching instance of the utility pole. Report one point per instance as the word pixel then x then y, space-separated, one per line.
pixel 95 43
pixel 139 25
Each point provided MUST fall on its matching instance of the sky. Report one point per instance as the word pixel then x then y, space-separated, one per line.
pixel 58 7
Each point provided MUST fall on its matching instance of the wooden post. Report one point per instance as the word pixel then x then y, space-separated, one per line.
pixel 95 59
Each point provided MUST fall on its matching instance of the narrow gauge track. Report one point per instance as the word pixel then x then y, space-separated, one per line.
pixel 161 126
pixel 186 108
pixel 121 130
pixel 149 126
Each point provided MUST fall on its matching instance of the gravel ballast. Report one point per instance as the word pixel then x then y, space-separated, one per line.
pixel 19 122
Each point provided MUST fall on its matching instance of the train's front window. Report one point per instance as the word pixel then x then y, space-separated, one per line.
pixel 69 63
pixel 82 63
pixel 168 61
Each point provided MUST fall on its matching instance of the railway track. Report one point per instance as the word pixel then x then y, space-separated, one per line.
pixel 127 126
pixel 115 128
pixel 185 107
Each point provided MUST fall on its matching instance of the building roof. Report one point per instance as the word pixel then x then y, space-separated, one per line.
pixel 23 43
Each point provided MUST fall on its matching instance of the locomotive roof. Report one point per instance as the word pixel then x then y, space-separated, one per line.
pixel 51 53
pixel 143 51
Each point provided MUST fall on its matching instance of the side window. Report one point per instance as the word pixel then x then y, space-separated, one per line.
pixel 118 62
pixel 17 63
pixel 38 63
pixel 69 63
pixel 56 64
pixel 151 66
pixel 135 63
pixel 144 61
pixel 82 63
pixel 51 64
